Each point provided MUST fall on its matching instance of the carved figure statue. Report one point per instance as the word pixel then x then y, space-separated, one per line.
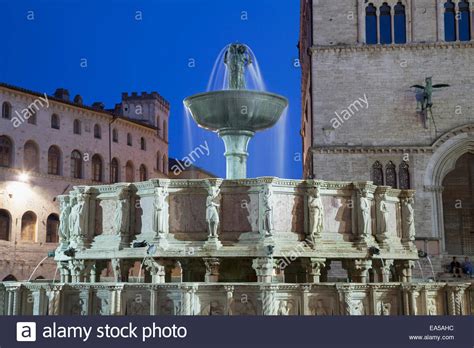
pixel 431 307
pixel 285 308
pixel 425 103
pixel 77 217
pixel 212 212
pixel 65 208
pixel 122 212
pixel 365 213
pixel 385 308
pixel 409 218
pixel 158 205
pixel 236 58
pixel 316 214
pixel 383 214
pixel 267 211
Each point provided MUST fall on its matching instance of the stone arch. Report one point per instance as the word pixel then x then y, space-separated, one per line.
pixel 447 150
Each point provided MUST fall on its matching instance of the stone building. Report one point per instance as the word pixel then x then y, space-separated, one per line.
pixel 48 144
pixel 362 120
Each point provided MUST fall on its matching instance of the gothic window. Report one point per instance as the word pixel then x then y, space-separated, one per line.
pixel 371 24
pixel 449 21
pixel 6 110
pixel 385 24
pixel 142 143
pixel 165 165
pixel 114 171
pixel 5 222
pixel 404 175
pixel 391 175
pixel 76 165
pixel 377 174
pixel 28 227
pixel 400 30
pixel 464 19
pixel 129 139
pixel 77 127
pixel 165 131
pixel 143 173
pixel 97 132
pixel 158 161
pixel 96 168
pixel 115 136
pixel 55 121
pixel 54 160
pixel 32 118
pixel 129 172
pixel 31 157
pixel 6 152
pixel 52 227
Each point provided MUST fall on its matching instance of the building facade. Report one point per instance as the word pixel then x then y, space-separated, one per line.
pixel 48 144
pixel 363 120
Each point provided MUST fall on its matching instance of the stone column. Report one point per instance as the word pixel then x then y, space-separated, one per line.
pixel 456 299
pixel 187 299
pixel 13 300
pixel 358 269
pixel 404 270
pixel 40 303
pixel 64 273
pixel 117 306
pixel 77 270
pixel 382 268
pixel 212 269
pixel 154 301
pixel 54 295
pixel 269 306
pixel 306 289
pixel 156 269
pixel 314 267
pixel 264 267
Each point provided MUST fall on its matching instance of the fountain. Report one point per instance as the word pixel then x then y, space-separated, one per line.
pixel 236 114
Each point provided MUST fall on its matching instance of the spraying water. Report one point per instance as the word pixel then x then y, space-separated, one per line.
pixel 39 263
pixel 421 270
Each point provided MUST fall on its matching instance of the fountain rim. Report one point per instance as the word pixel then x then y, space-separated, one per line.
pixel 234 91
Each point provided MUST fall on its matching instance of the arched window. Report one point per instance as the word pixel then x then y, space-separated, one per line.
pixel 449 21
pixel 28 227
pixel 55 121
pixel 96 168
pixel 165 165
pixel 114 171
pixel 5 222
pixel 143 173
pixel 54 160
pixel 9 278
pixel 6 110
pixel 404 175
pixel 400 24
pixel 76 164
pixel 129 139
pixel 371 24
pixel 52 227
pixel 6 152
pixel 391 175
pixel 32 118
pixel 464 21
pixel 129 172
pixel 77 127
pixel 115 136
pixel 31 157
pixel 385 24
pixel 165 130
pixel 97 132
pixel 158 161
pixel 377 173
pixel 142 143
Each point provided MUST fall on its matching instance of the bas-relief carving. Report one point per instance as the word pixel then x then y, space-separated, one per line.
pixel 187 213
pixel 77 219
pixel 138 306
pixel 321 306
pixel 213 307
pixel 286 307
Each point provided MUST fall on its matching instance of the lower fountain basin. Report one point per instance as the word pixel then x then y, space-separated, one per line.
pixel 236 109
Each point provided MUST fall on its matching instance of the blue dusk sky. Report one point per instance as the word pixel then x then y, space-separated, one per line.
pixel 126 53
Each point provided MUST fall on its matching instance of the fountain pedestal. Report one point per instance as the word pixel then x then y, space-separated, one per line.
pixel 236 142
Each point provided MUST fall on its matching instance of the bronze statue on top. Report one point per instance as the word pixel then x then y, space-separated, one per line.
pixel 237 57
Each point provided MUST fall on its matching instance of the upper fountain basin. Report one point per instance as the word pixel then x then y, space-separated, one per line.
pixel 236 109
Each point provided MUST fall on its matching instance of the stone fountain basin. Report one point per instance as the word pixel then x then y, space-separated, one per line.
pixel 236 109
